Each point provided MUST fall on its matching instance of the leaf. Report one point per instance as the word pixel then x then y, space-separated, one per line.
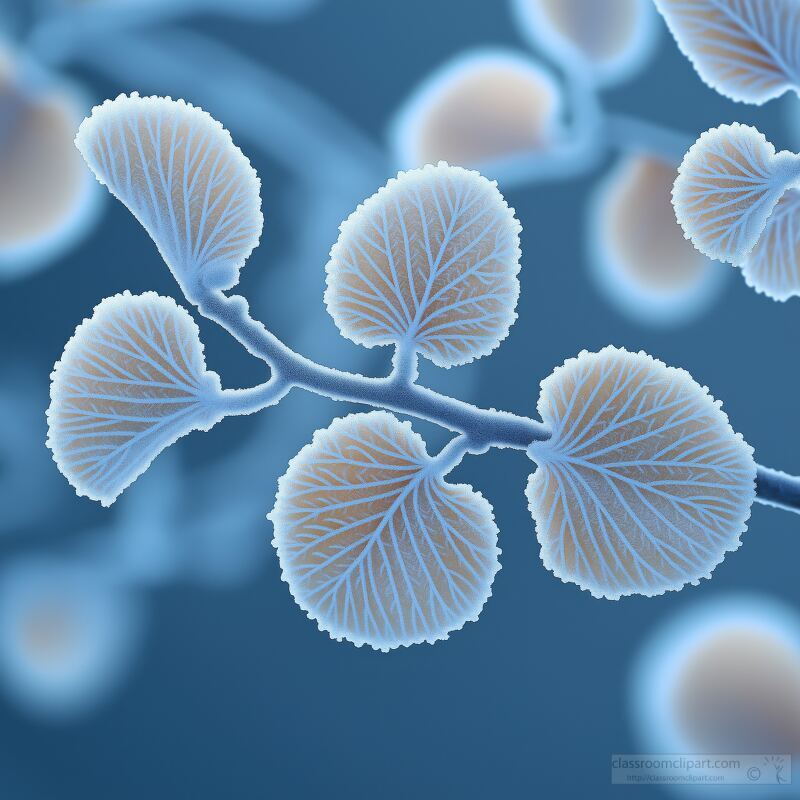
pixel 606 40
pixel 430 261
pixel 47 198
pixel 736 683
pixel 374 544
pixel 727 185
pixel 179 173
pixel 774 265
pixel 643 486
pixel 68 634
pixel 640 257
pixel 720 675
pixel 131 381
pixel 748 50
pixel 479 108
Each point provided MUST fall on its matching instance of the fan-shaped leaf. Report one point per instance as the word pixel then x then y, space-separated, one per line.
pixel 748 50
pixel 431 262
pixel 729 182
pixel 374 544
pixel 131 381
pixel 643 486
pixel 182 177
pixel 774 265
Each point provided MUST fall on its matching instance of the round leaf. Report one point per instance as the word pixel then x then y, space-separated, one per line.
pixel 640 257
pixel 607 41
pixel 429 262
pixel 643 486
pixel 374 544
pixel 727 185
pixel 479 108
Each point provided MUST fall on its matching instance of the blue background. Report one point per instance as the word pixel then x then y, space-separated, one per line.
pixel 235 693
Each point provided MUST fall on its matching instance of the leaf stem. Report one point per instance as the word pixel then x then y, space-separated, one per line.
pixel 404 363
pixel 238 402
pixel 626 133
pixel 450 456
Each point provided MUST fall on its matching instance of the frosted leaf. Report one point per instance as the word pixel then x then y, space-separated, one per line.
pixel 479 108
pixel 131 381
pixel 374 544
pixel 774 265
pixel 727 185
pixel 182 177
pixel 643 486
pixel 608 40
pixel 748 50
pixel 429 261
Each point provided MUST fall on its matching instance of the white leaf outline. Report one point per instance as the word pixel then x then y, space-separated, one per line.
pixel 754 59
pixel 397 614
pixel 157 390
pixel 728 183
pixel 595 499
pixel 179 173
pixel 386 292
pixel 773 266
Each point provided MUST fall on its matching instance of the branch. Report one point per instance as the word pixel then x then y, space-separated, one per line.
pixel 484 427
pixel 623 133
pixel 481 428
pixel 280 118
pixel 776 488
pixel 239 402
pixel 450 456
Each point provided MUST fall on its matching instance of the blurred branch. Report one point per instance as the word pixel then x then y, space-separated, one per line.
pixel 285 121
